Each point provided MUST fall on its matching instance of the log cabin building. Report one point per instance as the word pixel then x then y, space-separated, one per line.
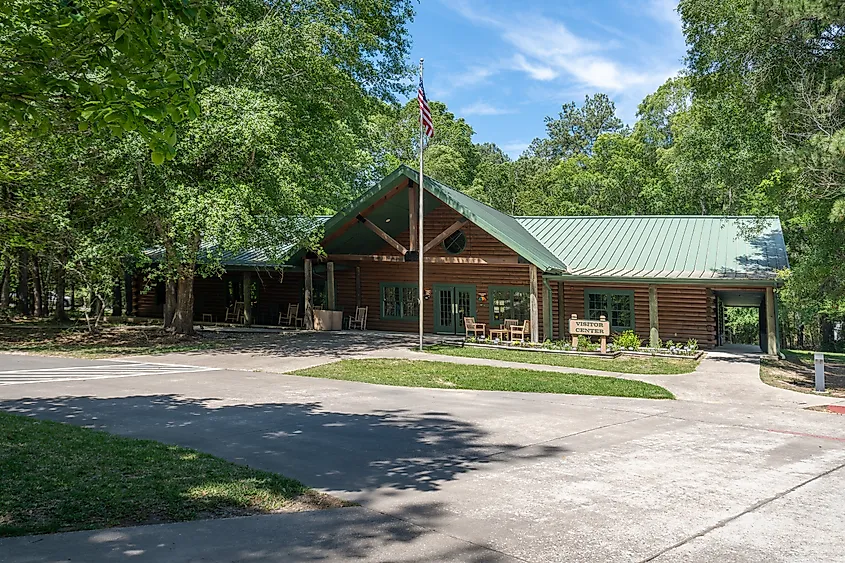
pixel 666 277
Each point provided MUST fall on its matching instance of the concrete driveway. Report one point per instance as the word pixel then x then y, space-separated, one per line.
pixel 448 475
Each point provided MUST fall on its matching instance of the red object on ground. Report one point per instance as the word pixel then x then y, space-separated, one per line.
pixel 838 409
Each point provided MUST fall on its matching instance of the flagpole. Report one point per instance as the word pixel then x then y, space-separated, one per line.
pixel 420 226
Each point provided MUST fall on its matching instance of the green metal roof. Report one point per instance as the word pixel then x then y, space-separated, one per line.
pixel 244 258
pixel 664 247
pixel 505 228
pixel 501 226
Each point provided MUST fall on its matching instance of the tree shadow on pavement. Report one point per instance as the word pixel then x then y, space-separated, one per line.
pixel 375 455
pixel 356 453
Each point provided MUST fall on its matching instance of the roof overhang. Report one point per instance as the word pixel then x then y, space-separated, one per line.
pixel 708 282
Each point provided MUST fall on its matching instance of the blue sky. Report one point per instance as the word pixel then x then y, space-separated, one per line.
pixel 504 65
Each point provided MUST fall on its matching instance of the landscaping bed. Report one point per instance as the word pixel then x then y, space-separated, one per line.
pixel 611 353
pixel 617 362
pixel 625 343
pixel 449 375
pixel 58 477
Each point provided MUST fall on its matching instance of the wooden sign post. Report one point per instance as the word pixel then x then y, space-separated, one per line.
pixel 589 328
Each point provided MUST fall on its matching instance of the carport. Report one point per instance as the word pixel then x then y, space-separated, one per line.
pixel 763 300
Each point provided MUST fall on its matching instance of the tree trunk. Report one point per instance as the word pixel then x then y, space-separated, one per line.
pixel 6 290
pixel 826 330
pixel 117 299
pixel 37 287
pixel 183 319
pixel 23 283
pixel 61 314
pixel 169 303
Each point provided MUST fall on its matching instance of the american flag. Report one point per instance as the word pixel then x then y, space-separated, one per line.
pixel 425 113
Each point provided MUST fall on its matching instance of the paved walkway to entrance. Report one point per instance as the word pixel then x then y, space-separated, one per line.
pixel 729 375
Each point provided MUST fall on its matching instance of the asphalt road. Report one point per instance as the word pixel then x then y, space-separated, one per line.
pixel 445 475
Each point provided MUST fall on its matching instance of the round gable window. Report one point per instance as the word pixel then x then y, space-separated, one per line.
pixel 455 243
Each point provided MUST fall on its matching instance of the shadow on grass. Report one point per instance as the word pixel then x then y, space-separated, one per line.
pixel 361 456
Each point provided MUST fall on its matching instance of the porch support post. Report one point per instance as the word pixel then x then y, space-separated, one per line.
pixel 357 286
pixel 247 285
pixel 653 322
pixel 413 217
pixel 547 311
pixel 330 291
pixel 561 313
pixel 308 315
pixel 771 322
pixel 534 311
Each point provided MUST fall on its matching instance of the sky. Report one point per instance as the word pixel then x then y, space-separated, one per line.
pixel 504 65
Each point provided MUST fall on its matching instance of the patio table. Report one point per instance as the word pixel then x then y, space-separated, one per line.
pixel 502 333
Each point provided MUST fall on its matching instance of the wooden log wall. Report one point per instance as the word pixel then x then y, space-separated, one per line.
pixel 373 274
pixel 683 311
pixel 480 244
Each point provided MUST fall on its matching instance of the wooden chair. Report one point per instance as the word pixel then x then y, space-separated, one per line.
pixel 521 331
pixel 292 318
pixel 235 313
pixel 475 328
pixel 360 320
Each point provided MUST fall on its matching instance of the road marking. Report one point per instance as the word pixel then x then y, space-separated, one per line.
pixel 123 368
pixel 805 435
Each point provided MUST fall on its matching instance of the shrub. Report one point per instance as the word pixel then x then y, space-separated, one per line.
pixel 692 344
pixel 628 340
pixel 585 344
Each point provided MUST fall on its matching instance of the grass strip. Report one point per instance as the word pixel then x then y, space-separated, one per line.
pixel 448 375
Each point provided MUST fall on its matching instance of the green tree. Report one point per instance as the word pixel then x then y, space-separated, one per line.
pixel 784 58
pixel 450 156
pixel 282 135
pixel 119 66
pixel 577 128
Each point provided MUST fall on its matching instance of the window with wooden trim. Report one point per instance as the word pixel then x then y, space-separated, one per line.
pixel 399 301
pixel 508 302
pixel 617 305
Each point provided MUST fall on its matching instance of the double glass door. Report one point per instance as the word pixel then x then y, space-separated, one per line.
pixel 451 304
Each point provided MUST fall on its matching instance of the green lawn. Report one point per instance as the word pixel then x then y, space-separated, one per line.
pixel 57 477
pixel 447 375
pixel 620 364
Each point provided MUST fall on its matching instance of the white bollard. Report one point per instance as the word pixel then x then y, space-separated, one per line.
pixel 818 360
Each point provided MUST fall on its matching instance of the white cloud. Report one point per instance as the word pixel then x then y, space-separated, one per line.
pixel 472 76
pixel 483 108
pixel 514 148
pixel 665 11
pixel 535 71
pixel 545 49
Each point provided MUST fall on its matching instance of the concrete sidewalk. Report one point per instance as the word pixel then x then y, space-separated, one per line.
pixel 349 534
pixel 727 376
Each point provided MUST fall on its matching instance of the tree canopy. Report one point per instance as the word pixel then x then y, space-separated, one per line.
pixel 191 124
